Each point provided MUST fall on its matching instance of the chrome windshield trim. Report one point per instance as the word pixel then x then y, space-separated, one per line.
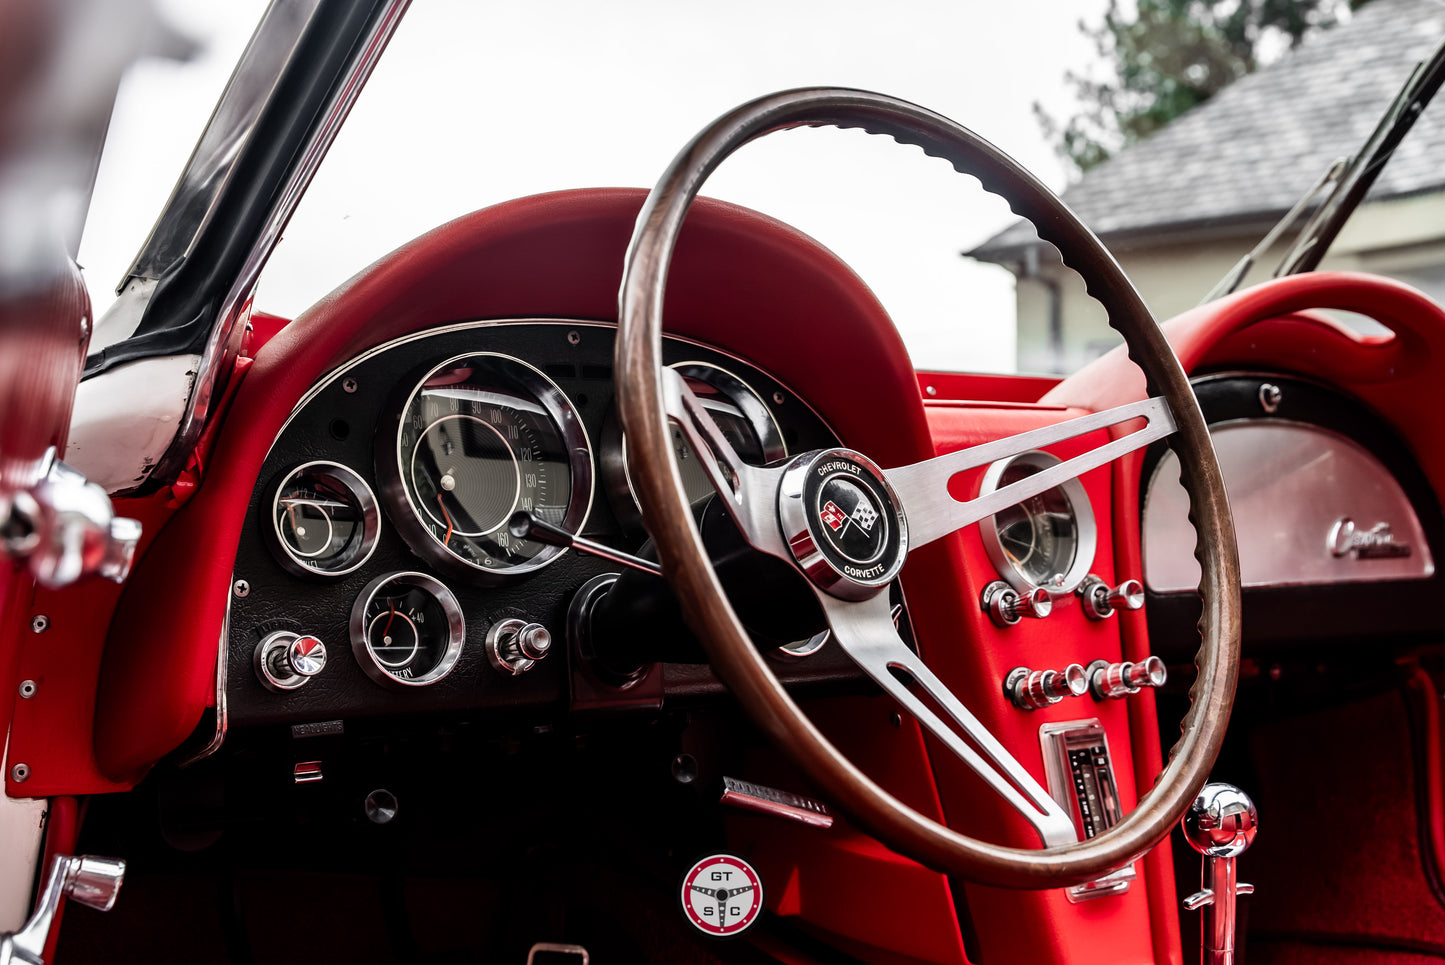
pixel 224 343
pixel 228 130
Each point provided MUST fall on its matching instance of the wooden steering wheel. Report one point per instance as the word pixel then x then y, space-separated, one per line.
pixel 781 511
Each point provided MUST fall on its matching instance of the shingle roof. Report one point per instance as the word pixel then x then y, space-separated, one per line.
pixel 1256 146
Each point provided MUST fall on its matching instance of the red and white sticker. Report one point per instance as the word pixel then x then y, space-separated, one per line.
pixel 722 895
pixel 832 515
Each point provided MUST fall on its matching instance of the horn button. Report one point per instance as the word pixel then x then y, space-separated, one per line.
pixel 843 523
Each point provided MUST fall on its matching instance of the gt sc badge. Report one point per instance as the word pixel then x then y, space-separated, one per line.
pixel 722 896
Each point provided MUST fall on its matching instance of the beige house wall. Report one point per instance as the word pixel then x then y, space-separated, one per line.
pixel 1403 239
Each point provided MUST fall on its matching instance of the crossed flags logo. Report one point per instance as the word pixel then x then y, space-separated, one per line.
pixel 865 516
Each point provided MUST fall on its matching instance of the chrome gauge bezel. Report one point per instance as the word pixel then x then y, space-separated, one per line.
pixel 1083 515
pixel 407 516
pixel 456 630
pixel 359 491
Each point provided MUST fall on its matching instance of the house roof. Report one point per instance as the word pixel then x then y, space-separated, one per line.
pixel 1248 153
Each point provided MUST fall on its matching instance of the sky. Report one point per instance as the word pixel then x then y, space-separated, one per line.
pixel 479 102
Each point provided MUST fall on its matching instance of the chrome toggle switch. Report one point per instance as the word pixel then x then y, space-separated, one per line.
pixel 1110 681
pixel 285 660
pixel 93 881
pixel 1100 600
pixel 1032 689
pixel 1005 606
pixel 513 645
pixel 1220 825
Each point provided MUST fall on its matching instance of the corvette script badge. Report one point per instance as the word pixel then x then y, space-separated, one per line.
pixel 722 896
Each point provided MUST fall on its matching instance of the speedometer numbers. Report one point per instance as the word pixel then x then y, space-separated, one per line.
pixel 1044 541
pixel 480 438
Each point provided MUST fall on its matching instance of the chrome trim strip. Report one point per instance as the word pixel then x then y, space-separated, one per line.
pixel 222 717
pixel 228 130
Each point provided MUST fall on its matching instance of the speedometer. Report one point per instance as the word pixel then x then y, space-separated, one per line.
pixel 1046 540
pixel 479 438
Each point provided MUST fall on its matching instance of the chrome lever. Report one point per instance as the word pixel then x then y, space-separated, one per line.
pixel 1220 825
pixel 524 525
pixel 90 880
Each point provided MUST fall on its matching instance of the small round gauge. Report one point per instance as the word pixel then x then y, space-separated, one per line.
pixel 742 417
pixel 406 630
pixel 1046 540
pixel 324 520
pixel 481 437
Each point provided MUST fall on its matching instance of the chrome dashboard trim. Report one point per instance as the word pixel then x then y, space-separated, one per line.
pixel 218 738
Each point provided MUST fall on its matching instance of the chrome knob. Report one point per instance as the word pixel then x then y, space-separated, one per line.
pixel 1220 825
pixel 92 881
pixel 514 646
pixel 285 660
pixel 1111 681
pixel 1005 606
pixel 95 882
pixel 1101 600
pixel 1032 689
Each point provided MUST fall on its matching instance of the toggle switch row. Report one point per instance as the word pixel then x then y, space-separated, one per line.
pixel 1033 689
pixel 1007 606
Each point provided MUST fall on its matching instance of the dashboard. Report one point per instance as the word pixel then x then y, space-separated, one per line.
pixel 379 532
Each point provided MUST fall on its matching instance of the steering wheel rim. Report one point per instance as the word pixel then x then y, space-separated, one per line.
pixel 645 411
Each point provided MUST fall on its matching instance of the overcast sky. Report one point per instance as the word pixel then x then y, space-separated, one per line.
pixel 477 102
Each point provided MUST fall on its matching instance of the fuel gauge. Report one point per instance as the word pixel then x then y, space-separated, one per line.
pixel 407 630
pixel 324 520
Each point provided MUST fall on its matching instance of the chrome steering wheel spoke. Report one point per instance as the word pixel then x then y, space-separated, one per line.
pixel 923 487
pixel 750 492
pixel 867 635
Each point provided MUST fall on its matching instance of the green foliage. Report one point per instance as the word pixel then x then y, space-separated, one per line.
pixel 1168 56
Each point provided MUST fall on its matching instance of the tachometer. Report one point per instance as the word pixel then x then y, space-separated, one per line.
pixel 481 437
pixel 1045 541
pixel 739 413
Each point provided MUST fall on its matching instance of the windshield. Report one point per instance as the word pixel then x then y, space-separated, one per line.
pixel 474 104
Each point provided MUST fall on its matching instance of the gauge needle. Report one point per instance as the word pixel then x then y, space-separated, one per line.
pixel 448 517
pixel 386 631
